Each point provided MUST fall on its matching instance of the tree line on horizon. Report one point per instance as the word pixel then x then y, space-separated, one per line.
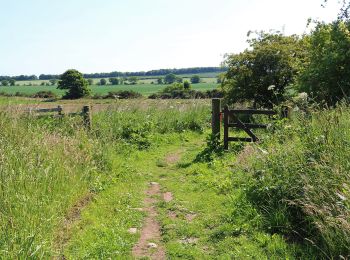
pixel 117 74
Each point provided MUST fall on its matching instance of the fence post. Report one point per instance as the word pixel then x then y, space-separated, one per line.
pixel 226 119
pixel 215 117
pixel 87 116
pixel 60 109
pixel 286 112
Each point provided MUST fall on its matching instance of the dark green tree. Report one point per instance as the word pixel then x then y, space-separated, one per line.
pixel 103 82
pixel 114 81
pixel 187 85
pixel 195 79
pixel 159 81
pixel 262 73
pixel 4 83
pixel 74 82
pixel 326 78
pixel 170 78
pixel 12 82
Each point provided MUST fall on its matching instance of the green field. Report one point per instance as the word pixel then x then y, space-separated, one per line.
pixel 144 89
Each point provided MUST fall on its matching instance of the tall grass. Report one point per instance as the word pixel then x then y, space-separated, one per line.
pixel 139 126
pixel 48 164
pixel 300 182
pixel 42 173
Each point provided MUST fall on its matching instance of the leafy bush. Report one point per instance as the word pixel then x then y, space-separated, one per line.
pixel 262 73
pixel 326 77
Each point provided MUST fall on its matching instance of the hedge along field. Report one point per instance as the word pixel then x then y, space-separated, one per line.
pixel 47 165
pixel 144 89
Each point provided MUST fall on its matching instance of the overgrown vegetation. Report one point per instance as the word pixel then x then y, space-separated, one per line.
pixel 47 165
pixel 277 67
pixel 298 180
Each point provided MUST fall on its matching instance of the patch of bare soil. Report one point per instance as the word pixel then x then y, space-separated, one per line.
pixel 173 157
pixel 167 196
pixel 190 217
pixel 149 243
pixel 172 215
pixel 72 216
pixel 242 157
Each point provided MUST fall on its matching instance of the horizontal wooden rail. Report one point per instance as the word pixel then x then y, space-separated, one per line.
pixel 45 110
pixel 85 113
pixel 252 112
pixel 239 139
pixel 232 119
pixel 248 125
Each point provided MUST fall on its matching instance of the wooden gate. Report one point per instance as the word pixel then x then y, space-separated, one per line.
pixel 231 119
pixel 237 123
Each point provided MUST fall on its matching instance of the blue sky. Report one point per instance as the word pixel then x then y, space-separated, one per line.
pixel 41 36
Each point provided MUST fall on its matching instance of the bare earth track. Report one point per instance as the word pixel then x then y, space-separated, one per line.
pixel 149 244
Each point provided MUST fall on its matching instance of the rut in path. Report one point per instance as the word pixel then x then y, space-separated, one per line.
pixel 149 243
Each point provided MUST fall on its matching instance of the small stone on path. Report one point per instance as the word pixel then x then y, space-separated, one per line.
pixel 137 209
pixel 152 245
pixel 132 230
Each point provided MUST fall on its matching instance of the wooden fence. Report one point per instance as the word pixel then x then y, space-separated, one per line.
pixel 85 113
pixel 231 120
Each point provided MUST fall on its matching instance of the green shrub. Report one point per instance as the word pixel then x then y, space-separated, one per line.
pixel 326 78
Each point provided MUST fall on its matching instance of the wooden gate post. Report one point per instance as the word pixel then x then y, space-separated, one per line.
pixel 215 117
pixel 226 122
pixel 60 110
pixel 87 116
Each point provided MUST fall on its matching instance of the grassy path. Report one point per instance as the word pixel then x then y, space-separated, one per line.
pixel 160 202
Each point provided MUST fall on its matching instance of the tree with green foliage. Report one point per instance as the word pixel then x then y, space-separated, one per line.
pixel 4 83
pixel 103 82
pixel 159 81
pixel 170 78
pixel 114 81
pixel 187 85
pixel 195 79
pixel 326 78
pixel 262 73
pixel 74 82
pixel 12 82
